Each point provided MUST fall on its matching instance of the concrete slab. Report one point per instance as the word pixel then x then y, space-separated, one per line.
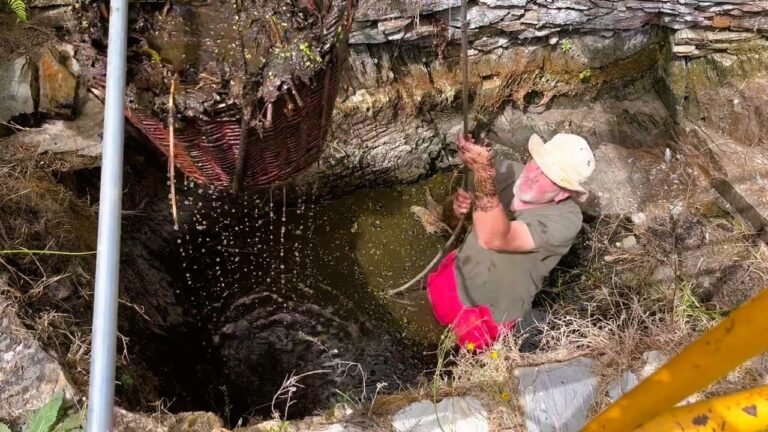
pixel 557 397
pixel 29 376
pixel 621 386
pixel 453 414
pixel 74 144
pixel 16 88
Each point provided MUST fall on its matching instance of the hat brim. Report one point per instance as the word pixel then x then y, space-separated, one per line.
pixel 549 166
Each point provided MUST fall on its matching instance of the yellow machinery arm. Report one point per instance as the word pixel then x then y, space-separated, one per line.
pixel 648 406
pixel 744 411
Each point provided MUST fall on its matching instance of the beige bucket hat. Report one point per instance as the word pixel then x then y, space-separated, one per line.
pixel 566 159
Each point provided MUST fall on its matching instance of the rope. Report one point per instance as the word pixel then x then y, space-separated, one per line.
pixel 465 128
pixel 464 69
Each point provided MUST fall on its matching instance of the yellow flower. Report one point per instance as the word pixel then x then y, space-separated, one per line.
pixel 505 396
pixel 470 346
pixel 495 355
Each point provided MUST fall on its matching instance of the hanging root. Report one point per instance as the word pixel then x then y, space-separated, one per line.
pixel 166 8
pixel 295 93
pixel 269 114
pixel 171 165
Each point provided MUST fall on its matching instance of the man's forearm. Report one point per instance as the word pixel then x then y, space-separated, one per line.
pixel 490 219
pixel 486 197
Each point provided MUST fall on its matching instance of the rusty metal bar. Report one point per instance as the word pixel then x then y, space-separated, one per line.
pixel 745 411
pixel 739 337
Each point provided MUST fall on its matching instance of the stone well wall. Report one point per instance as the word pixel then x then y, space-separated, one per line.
pixel 401 109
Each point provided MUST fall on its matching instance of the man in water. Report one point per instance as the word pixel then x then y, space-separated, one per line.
pixel 523 221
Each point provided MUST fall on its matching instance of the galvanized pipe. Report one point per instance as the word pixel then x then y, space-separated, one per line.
pixel 101 389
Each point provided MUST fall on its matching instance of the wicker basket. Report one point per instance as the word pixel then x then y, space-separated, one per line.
pixel 207 150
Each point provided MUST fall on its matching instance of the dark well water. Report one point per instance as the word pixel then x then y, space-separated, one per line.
pixel 299 288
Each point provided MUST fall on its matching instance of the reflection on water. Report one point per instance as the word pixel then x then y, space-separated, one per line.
pixel 291 286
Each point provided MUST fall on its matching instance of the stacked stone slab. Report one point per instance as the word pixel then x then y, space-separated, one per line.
pixel 506 20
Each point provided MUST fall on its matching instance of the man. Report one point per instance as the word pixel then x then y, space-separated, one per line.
pixel 524 220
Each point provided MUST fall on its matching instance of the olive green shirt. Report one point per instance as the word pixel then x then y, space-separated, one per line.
pixel 507 282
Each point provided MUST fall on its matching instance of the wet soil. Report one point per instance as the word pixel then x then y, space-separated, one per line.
pixel 221 53
pixel 249 291
pixel 299 288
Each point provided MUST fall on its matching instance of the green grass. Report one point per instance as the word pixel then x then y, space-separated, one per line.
pixel 282 428
pixel 447 340
pixel 689 310
pixel 585 75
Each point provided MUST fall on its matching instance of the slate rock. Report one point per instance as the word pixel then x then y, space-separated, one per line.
pixel 16 88
pixel 621 386
pixel 29 376
pixel 453 414
pixel 58 85
pixel 504 3
pixel 557 397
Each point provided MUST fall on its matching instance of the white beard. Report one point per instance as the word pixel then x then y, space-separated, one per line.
pixel 531 197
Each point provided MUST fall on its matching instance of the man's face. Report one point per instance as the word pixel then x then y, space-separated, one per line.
pixel 533 187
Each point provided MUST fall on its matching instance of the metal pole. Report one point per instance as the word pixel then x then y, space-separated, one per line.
pixel 101 390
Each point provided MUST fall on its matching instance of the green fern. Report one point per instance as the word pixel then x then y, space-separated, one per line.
pixel 4 428
pixel 20 7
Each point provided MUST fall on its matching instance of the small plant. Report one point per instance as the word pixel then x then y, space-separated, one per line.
pixel 304 47
pixel 585 75
pixel 310 56
pixel 20 8
pixel 48 418
pixel 281 428
pixel 689 310
pixel 44 418
pixel 125 379
pixel 447 340
pixel 566 45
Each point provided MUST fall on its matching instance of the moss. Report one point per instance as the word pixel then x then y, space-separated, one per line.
pixel 154 55
pixel 642 61
pixel 713 210
pixel 684 80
